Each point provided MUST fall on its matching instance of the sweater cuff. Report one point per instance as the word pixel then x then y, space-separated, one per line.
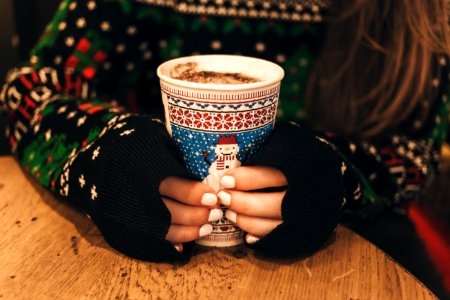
pixel 311 206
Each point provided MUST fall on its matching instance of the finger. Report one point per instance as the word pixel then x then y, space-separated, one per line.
pixel 179 247
pixel 251 239
pixel 253 225
pixel 266 205
pixel 253 178
pixel 183 234
pixel 183 214
pixel 188 191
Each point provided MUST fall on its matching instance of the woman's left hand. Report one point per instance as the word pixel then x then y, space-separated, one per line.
pixel 251 207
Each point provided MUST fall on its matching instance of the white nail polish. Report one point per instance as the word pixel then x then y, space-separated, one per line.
pixel 225 198
pixel 215 214
pixel 231 215
pixel 251 239
pixel 209 199
pixel 228 182
pixel 205 230
pixel 178 247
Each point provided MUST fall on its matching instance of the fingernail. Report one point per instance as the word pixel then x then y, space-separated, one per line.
pixel 215 214
pixel 178 247
pixel 231 215
pixel 225 198
pixel 251 239
pixel 228 182
pixel 209 199
pixel 205 230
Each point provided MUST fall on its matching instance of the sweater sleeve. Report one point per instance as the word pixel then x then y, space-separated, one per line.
pixel 392 172
pixel 69 133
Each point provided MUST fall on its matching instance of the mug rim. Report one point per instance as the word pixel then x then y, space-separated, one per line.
pixel 278 74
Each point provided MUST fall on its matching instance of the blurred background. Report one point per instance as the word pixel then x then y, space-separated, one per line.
pixel 22 21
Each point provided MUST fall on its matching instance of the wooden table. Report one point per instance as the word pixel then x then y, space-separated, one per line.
pixel 50 251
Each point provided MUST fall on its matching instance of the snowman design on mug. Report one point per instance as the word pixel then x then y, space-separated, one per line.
pixel 226 151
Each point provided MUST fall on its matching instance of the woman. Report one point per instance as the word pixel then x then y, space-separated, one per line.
pixel 371 75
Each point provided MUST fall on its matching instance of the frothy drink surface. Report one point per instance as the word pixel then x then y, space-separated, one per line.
pixel 190 72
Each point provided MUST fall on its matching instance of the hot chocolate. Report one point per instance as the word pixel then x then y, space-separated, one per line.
pixel 190 72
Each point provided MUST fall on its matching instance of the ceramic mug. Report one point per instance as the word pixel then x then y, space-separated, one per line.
pixel 216 127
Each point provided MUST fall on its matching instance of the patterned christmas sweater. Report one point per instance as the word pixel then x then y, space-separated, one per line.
pixel 84 115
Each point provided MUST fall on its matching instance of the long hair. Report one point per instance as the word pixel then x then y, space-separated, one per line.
pixel 376 66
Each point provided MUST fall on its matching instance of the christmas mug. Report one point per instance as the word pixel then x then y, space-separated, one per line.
pixel 219 110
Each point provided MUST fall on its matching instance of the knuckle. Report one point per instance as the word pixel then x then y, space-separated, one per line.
pixel 245 226
pixel 198 216
pixel 170 234
pixel 163 185
pixel 240 202
pixel 246 174
pixel 242 205
pixel 281 177
pixel 188 234
pixel 196 192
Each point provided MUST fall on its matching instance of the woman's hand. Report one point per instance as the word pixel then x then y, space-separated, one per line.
pixel 192 205
pixel 254 210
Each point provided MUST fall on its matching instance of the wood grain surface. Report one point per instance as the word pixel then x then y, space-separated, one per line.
pixel 50 251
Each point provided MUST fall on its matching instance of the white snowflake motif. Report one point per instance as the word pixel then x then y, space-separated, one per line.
pixel 64 191
pixel 48 135
pixel 113 120
pixel 127 132
pixel 36 128
pixel 295 124
pixel 81 121
pixel 343 168
pixel 94 192
pixel 72 154
pixel 81 22
pixel 70 41
pixel 323 140
pixel 66 172
pixel 105 26
pixel 96 153
pixel 357 193
pixel 91 5
pixel 82 181
pixel 124 116
pixel 120 48
pixel 71 115
pixel 131 30
pixel 120 125
pixel 73 5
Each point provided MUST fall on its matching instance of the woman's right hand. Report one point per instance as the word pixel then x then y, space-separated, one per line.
pixel 192 205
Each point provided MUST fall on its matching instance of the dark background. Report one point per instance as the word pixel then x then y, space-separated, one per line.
pixel 21 23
